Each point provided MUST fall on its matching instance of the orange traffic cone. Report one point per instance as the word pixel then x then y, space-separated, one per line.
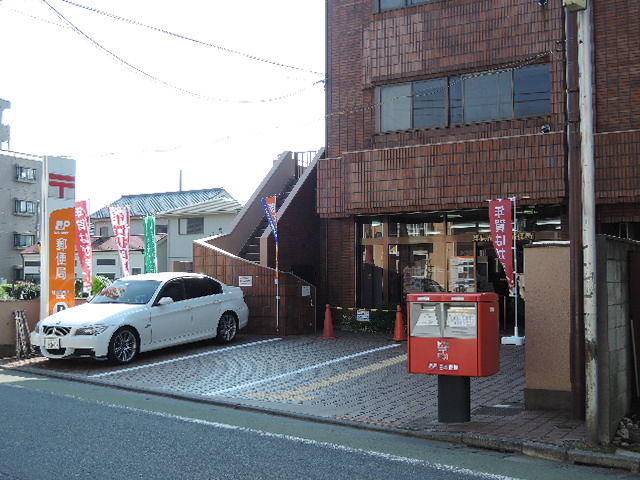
pixel 328 324
pixel 399 335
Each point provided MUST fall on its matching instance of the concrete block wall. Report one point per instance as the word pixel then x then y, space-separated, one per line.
pixel 616 369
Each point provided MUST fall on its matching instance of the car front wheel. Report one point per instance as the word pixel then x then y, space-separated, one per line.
pixel 227 328
pixel 123 346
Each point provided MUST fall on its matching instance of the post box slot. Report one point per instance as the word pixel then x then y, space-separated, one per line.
pixel 444 319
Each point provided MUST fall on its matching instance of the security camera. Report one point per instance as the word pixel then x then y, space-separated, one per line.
pixel 546 128
pixel 542 2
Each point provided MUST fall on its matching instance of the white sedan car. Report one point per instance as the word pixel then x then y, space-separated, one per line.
pixel 142 313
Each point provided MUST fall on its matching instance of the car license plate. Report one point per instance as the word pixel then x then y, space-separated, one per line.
pixel 51 343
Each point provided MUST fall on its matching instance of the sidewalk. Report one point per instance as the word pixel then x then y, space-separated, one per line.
pixel 358 379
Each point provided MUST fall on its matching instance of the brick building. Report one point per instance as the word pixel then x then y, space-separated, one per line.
pixel 435 107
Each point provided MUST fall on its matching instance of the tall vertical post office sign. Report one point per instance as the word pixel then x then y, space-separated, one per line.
pixel 58 231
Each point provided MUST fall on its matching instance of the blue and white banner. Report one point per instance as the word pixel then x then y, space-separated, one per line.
pixel 269 205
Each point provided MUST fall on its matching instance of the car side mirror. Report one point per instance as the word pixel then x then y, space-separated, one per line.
pixel 165 301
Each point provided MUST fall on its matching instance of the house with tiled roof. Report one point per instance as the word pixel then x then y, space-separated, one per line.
pixel 106 260
pixel 181 218
pixel 184 216
pixel 143 205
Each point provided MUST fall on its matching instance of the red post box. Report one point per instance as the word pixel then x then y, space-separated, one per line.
pixel 454 334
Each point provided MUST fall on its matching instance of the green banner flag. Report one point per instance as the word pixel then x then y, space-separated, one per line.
pixel 150 258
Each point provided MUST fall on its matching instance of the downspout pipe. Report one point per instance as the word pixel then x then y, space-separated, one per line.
pixel 574 176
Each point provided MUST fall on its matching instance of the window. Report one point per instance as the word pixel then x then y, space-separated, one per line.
pixel 395 101
pixel 532 92
pixel 26 207
pixel 392 4
pixel 106 261
pixel 484 97
pixel 32 277
pixel 32 263
pixel 173 289
pixel 430 103
pixel 191 226
pixel 201 287
pixel 487 97
pixel 104 231
pixel 23 241
pixel 162 229
pixel 25 174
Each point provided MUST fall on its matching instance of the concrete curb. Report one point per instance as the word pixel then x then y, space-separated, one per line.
pixel 487 442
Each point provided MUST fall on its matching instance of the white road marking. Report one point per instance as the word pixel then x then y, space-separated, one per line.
pixel 316 443
pixel 297 394
pixel 212 352
pixel 301 370
pixel 291 438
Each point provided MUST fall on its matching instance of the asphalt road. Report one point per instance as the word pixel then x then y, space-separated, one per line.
pixel 52 429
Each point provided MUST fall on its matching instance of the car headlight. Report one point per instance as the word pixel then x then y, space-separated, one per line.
pixel 91 330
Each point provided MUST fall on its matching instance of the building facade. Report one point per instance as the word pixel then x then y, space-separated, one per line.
pixel 435 107
pixel 181 218
pixel 20 184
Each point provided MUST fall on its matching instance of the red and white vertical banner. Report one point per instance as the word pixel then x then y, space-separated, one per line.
pixel 120 223
pixel 501 221
pixel 83 244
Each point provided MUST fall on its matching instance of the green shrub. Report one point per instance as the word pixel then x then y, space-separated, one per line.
pixel 19 291
pixel 379 322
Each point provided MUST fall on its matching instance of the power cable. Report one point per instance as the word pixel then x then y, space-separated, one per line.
pixel 183 37
pixel 162 82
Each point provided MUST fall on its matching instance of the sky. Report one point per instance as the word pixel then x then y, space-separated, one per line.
pixel 151 95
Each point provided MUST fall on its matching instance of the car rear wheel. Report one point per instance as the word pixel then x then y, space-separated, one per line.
pixel 123 346
pixel 227 328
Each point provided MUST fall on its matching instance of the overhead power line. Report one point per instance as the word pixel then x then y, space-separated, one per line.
pixel 163 82
pixel 183 37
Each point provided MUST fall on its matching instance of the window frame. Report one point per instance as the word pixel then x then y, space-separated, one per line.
pixel 400 4
pixel 26 174
pixel 459 100
pixel 105 262
pixel 30 207
pixel 185 229
pixel 19 236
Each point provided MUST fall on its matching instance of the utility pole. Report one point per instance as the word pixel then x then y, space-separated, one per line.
pixel 585 81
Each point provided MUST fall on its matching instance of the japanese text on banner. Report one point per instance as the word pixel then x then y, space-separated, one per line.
pixel 61 260
pixel 83 244
pixel 120 224
pixel 501 222
pixel 150 255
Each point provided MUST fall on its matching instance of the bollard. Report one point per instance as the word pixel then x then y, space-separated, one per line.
pixel 399 334
pixel 328 324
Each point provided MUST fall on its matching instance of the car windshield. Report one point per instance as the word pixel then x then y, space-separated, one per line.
pixel 131 291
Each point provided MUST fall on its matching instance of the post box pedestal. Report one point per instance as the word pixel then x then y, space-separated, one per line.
pixel 454 399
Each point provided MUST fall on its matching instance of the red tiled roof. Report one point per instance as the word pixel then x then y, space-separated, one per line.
pixel 105 244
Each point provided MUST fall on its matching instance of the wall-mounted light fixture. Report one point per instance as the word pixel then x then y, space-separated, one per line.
pixel 575 5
